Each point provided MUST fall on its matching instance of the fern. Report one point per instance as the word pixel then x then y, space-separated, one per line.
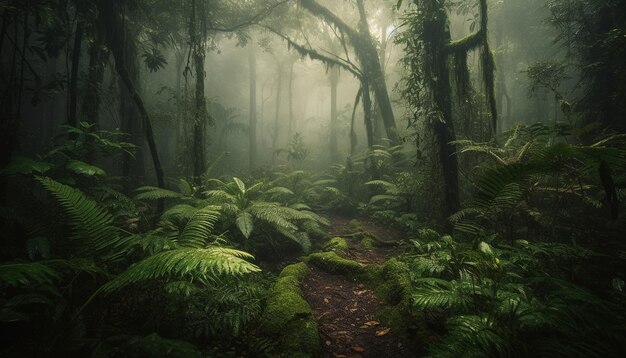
pixel 20 274
pixel 156 193
pixel 92 233
pixel 198 229
pixel 185 264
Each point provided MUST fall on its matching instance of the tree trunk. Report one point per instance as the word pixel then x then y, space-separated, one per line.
pixel 334 82
pixel 365 48
pixel 199 122
pixel 91 102
pixel 73 85
pixel 197 37
pixel 291 119
pixel 110 11
pixel 438 37
pixel 253 113
pixel 279 90
pixel 133 169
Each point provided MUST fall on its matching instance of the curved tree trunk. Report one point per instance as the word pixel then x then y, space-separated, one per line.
pixel 365 48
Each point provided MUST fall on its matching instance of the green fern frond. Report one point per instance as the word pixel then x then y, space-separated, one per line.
pixel 179 212
pixel 220 196
pixel 92 230
pixel 156 193
pixel 184 264
pixel 440 294
pixel 15 274
pixel 199 228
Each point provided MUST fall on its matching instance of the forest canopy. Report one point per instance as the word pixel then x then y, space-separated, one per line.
pixel 312 178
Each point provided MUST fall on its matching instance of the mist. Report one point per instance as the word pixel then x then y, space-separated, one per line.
pixel 315 178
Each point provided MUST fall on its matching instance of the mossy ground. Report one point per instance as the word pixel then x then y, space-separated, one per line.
pixel 288 317
pixel 331 262
pixel 336 244
pixel 392 283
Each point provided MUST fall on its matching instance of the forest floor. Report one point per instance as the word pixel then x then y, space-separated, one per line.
pixel 347 310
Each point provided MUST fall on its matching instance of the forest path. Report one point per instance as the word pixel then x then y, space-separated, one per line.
pixel 346 310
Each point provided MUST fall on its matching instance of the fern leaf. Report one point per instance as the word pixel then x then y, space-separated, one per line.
pixel 92 230
pixel 184 264
pixel 156 193
pixel 14 274
pixel 199 227
pixel 245 224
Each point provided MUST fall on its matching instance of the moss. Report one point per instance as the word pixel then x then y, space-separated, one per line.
pixel 331 262
pixel 392 281
pixel 336 244
pixel 303 338
pixel 299 271
pixel 288 316
pixel 368 242
pixel 284 305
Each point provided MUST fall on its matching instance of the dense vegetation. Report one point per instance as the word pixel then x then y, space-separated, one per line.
pixel 173 173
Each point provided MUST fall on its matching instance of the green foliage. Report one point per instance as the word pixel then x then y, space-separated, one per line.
pixel 154 345
pixel 92 235
pixel 534 167
pixel 504 300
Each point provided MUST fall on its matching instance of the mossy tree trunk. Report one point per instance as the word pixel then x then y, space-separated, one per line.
pixel 197 35
pixel 438 52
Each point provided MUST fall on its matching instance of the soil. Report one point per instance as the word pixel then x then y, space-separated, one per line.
pixel 347 310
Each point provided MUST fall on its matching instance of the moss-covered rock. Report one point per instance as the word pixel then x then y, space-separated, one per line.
pixel 331 262
pixel 288 316
pixel 299 271
pixel 336 244
pixel 368 242
pixel 392 281
pixel 302 339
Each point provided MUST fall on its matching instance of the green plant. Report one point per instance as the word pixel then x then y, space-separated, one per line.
pixel 502 300
pixel 253 217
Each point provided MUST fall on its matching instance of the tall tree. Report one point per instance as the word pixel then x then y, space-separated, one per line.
pixel 334 83
pixel 253 106
pixel 112 14
pixel 198 36
pixel 430 51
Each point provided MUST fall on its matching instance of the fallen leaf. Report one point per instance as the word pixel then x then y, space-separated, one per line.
pixel 372 323
pixel 358 349
pixel 364 326
pixel 382 332
pixel 360 293
pixel 326 300
pixel 328 343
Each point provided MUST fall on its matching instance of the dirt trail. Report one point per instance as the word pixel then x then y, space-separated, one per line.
pixel 346 310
